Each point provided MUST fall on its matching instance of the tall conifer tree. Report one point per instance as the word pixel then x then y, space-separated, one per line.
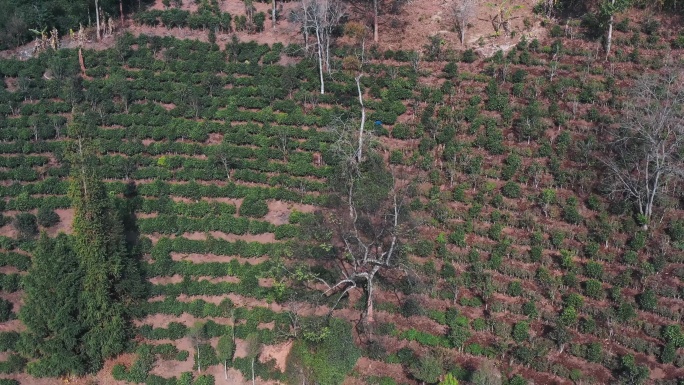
pixel 51 308
pixel 76 323
pixel 101 251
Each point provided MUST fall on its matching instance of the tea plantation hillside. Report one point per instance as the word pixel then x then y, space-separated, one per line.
pixel 179 211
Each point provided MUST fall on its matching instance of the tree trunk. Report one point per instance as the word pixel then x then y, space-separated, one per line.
pixel 121 12
pixel 273 14
pixel 654 191
pixel 363 51
pixel 359 153
pixel 225 166
pixel 327 52
pixel 81 63
pixel 253 381
pixel 305 31
pixel 97 19
pixel 375 21
pixel 369 302
pixel 199 367
pixel 320 58
pixel 225 369
pixel 609 38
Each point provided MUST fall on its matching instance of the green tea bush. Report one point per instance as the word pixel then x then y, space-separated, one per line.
pixel 511 190
pixel 411 307
pixel 571 213
pixel 174 331
pixel 26 225
pixel 328 361
pixel 8 341
pixel 207 356
pixel 676 231
pixel 253 206
pixel 47 217
pixel 10 282
pixel 20 261
pixel 14 364
pixel 469 56
pixel 182 355
pixel 423 248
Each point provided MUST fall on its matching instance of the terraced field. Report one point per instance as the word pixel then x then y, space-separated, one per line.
pixel 515 255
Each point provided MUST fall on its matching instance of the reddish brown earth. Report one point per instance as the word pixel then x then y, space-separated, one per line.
pixel 417 23
pixel 205 258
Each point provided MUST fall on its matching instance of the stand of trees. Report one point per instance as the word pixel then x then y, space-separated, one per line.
pixel 17 17
pixel 646 149
pixel 80 288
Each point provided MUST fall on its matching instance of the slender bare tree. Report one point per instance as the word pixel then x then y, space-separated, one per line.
pixel 369 237
pixel 607 10
pixel 121 13
pixel 253 350
pixel 97 19
pixel 359 155
pixel 273 14
pixel 321 17
pixel 645 152
pixel 464 12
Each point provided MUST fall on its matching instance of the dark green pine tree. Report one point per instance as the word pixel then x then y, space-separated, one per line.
pixel 80 288
pixel 100 247
pixel 51 308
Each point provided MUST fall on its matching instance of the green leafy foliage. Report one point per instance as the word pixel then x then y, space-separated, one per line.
pixel 254 207
pixel 427 369
pixel 50 311
pixel 26 225
pixel 326 361
pixel 47 217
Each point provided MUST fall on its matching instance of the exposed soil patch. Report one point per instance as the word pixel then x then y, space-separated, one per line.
pixel 215 299
pixel 10 270
pixel 16 298
pixel 207 258
pixel 267 325
pixel 260 238
pixel 176 278
pixel 279 211
pixel 163 320
pixel 227 278
pixel 278 353
pixel 8 231
pixel 367 367
pixel 174 368
pixel 12 326
pixel 11 84
pixel 200 236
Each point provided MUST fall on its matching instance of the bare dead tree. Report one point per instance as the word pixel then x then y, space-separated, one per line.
pixel 503 16
pixel 321 17
pixel 645 152
pixel 464 12
pixel 549 7
pixel 363 118
pixel 372 10
pixel 370 236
